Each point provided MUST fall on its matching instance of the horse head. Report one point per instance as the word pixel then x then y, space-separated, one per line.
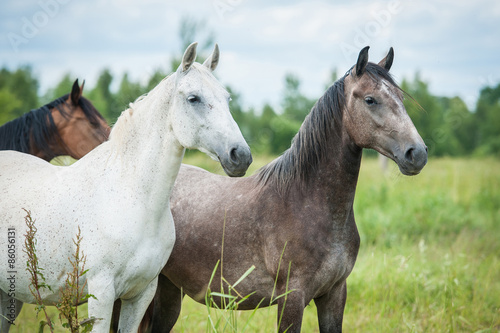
pixel 80 126
pixel 201 118
pixel 376 118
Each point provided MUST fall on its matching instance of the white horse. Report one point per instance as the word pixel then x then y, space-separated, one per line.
pixel 118 195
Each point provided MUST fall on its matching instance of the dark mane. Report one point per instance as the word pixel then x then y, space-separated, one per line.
pixel 90 111
pixel 310 144
pixel 38 125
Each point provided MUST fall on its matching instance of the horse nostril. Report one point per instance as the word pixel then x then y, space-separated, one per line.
pixel 416 156
pixel 239 156
pixel 233 155
pixel 409 154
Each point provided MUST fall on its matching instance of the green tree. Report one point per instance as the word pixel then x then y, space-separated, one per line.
pixel 19 92
pixel 10 103
pixel 282 128
pixel 458 122
pixel 427 114
pixel 103 99
pixel 62 88
pixel 295 105
pixel 262 131
pixel 239 115
pixel 25 86
pixel 487 134
pixel 128 92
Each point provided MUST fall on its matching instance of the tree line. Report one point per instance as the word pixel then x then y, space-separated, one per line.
pixel 446 124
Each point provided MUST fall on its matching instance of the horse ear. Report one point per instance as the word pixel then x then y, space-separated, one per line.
pixel 213 60
pixel 189 57
pixel 76 92
pixel 387 61
pixel 362 61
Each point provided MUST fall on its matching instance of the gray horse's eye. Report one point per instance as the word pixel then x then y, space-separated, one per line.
pixel 193 99
pixel 370 100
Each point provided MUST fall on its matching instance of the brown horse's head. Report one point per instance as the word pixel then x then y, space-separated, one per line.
pixel 376 118
pixel 81 127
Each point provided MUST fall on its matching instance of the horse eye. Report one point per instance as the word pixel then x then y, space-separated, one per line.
pixel 370 101
pixel 193 99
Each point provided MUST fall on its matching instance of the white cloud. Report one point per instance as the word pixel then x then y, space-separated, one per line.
pixel 453 45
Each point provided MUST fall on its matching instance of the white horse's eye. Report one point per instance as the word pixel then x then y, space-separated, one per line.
pixel 193 99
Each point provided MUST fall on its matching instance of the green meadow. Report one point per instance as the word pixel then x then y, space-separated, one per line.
pixel 429 259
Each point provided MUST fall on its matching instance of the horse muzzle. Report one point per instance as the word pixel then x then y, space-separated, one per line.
pixel 413 160
pixel 236 160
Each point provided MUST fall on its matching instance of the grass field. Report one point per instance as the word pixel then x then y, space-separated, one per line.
pixel 429 259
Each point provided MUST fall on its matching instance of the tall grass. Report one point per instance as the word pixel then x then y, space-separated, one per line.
pixel 429 259
pixel 430 250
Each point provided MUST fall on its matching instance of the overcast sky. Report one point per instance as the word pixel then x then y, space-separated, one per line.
pixel 453 44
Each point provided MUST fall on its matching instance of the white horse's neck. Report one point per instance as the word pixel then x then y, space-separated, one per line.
pixel 145 149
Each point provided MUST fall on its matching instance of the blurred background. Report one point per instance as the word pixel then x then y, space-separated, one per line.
pixel 430 257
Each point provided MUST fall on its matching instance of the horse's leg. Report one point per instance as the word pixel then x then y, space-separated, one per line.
pixel 9 312
pixel 330 308
pixel 166 306
pixel 102 307
pixel 163 311
pixel 290 311
pixel 133 309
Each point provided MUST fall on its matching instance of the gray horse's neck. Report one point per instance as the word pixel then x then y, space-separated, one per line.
pixel 340 168
pixel 336 175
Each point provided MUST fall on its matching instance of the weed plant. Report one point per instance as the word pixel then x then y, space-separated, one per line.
pixel 71 295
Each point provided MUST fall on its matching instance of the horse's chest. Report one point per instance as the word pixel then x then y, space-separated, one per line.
pixel 150 250
pixel 338 259
pixel 134 251
pixel 335 266
pixel 335 258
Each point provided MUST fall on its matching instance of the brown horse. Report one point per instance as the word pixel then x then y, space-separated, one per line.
pixel 69 125
pixel 294 219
